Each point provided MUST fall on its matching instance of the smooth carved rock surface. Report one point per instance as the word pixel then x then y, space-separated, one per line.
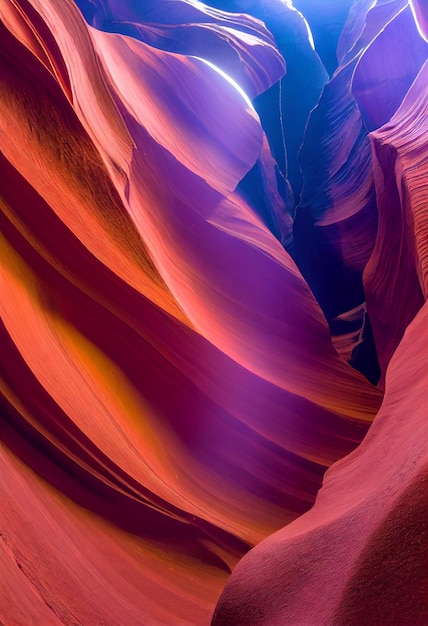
pixel 174 382
pixel 360 555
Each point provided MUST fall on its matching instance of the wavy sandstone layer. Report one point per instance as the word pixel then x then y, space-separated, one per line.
pixel 360 555
pixel 396 278
pixel 170 394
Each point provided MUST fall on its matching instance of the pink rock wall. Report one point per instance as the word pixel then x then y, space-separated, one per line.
pixel 174 378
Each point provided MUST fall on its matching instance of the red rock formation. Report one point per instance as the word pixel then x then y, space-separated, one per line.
pixel 387 68
pixel 336 218
pixel 396 276
pixel 360 555
pixel 169 391
pixel 239 45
